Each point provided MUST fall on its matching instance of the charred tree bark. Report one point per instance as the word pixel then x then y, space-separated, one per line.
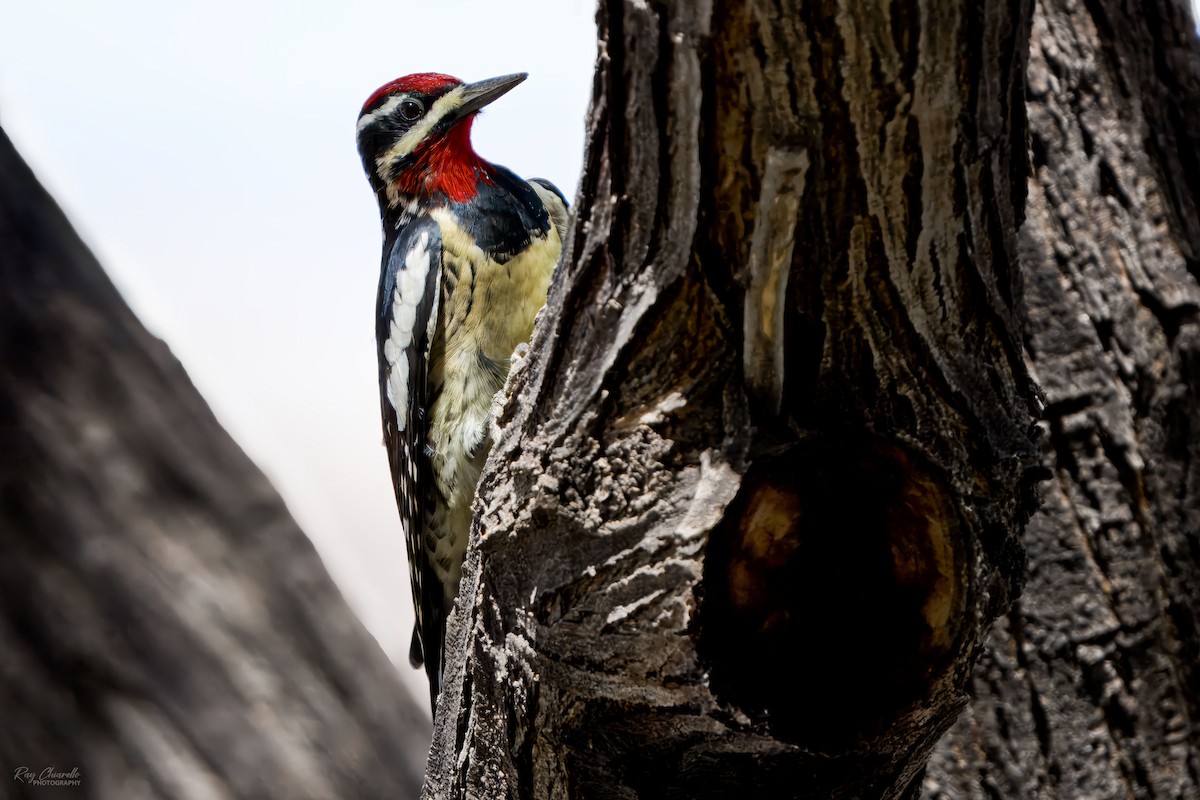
pixel 1090 686
pixel 165 628
pixel 762 491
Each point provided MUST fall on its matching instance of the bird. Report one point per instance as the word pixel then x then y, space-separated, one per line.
pixel 469 249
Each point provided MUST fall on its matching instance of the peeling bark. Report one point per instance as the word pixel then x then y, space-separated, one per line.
pixel 1090 686
pixel 165 627
pixel 759 491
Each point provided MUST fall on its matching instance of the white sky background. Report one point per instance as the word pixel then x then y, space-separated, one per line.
pixel 205 151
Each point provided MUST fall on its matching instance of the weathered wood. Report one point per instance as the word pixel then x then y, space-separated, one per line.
pixel 165 627
pixel 692 581
pixel 1090 687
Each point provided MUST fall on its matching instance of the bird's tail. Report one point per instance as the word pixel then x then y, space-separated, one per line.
pixel 432 630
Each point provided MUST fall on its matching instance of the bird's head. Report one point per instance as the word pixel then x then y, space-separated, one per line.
pixel 414 136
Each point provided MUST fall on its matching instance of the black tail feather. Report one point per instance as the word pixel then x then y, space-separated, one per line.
pixel 434 633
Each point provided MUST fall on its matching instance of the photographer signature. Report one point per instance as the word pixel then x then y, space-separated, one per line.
pixel 48 777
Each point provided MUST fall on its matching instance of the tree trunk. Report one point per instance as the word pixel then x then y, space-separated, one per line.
pixel 761 491
pixel 1090 686
pixel 165 628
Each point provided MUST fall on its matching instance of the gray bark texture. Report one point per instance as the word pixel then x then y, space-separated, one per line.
pixel 1090 686
pixel 759 493
pixel 165 628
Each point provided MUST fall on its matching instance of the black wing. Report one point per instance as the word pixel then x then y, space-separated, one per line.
pixel 407 307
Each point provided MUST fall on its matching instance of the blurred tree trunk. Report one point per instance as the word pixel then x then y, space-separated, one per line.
pixel 763 491
pixel 165 628
pixel 1090 686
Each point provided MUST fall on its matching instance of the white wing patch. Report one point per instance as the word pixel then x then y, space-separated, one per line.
pixel 410 285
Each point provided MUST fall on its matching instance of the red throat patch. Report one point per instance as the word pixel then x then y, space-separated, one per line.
pixel 447 165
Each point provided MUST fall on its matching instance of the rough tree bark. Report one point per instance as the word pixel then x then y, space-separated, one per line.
pixel 761 497
pixel 165 627
pixel 1090 686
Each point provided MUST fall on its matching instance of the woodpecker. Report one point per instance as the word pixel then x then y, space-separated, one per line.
pixel 468 252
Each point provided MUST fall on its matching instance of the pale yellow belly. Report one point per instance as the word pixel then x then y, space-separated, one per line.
pixel 487 310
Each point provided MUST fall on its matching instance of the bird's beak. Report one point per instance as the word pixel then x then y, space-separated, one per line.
pixel 477 95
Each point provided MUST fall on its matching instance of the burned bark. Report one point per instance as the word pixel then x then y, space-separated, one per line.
pixel 165 628
pixel 759 491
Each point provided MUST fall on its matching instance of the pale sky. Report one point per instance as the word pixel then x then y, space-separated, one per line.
pixel 205 151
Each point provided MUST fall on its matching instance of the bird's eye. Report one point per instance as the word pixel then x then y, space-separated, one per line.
pixel 411 110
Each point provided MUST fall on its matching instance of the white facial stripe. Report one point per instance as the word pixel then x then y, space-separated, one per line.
pixel 409 141
pixel 387 108
pixel 410 285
